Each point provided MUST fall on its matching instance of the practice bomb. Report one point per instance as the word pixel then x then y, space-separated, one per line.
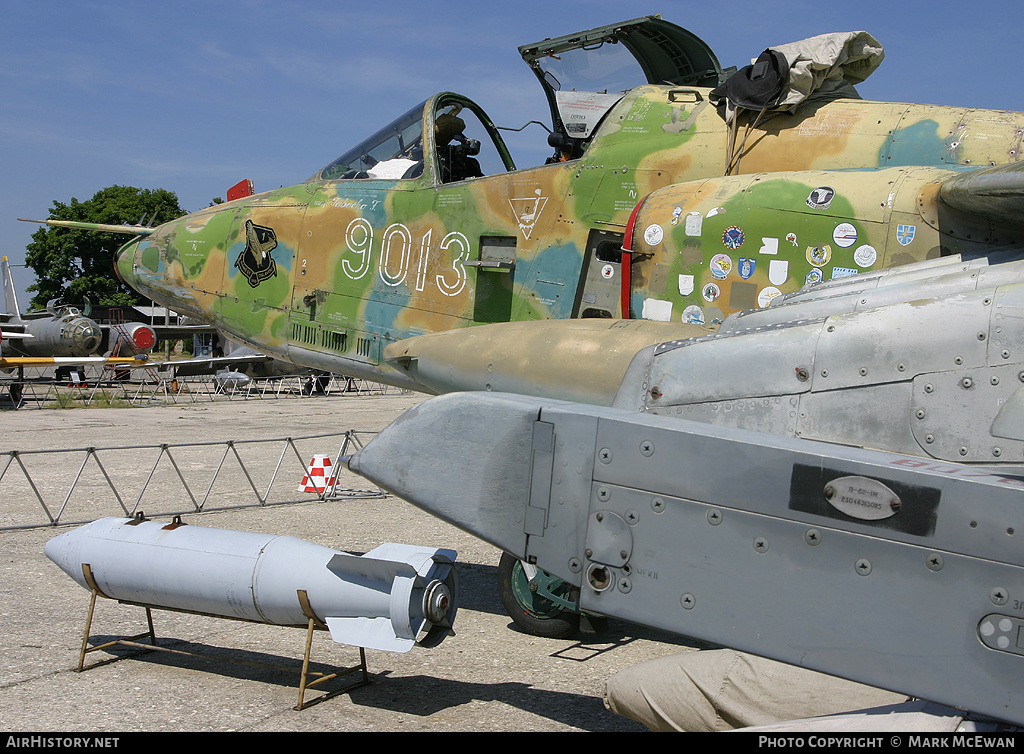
pixel 385 599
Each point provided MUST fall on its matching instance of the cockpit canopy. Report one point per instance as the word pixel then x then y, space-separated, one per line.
pixel 402 139
pixel 449 138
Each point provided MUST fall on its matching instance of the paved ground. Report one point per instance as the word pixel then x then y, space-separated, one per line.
pixel 489 677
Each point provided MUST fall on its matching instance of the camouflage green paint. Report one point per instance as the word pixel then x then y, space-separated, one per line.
pixel 703 252
pixel 828 190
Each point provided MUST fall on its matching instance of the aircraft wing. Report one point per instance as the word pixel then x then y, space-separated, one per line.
pixel 996 193
pixel 47 361
pixel 787 548
pixel 593 356
pixel 132 230
pixel 184 367
pixel 180 332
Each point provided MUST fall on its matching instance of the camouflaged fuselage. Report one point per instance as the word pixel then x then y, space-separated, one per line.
pixel 328 272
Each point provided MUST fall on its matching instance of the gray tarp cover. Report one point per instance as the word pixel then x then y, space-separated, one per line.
pixel 827 65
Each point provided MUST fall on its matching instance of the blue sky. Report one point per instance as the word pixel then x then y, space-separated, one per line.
pixel 195 96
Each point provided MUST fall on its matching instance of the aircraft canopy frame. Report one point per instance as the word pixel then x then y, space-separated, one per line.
pixel 665 53
pixel 410 146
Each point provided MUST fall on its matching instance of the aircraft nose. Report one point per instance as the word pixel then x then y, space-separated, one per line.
pixel 124 261
pixel 84 334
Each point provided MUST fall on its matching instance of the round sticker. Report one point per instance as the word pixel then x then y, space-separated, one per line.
pixel 720 266
pixel 766 295
pixel 733 237
pixel 710 292
pixel 693 315
pixel 844 235
pixel 791 237
pixel 821 197
pixel 865 255
pixel 653 235
pixel 819 255
pixel 607 272
pixel 814 276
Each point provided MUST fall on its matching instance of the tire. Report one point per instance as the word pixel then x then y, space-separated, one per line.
pixel 533 613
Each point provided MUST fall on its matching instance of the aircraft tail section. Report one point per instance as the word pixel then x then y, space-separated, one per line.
pixel 10 297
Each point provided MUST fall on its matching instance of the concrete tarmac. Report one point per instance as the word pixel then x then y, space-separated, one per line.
pixel 490 676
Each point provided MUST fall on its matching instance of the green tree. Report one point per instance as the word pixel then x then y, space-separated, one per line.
pixel 75 265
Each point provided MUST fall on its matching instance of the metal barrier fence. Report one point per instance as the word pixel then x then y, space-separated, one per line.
pixel 48 487
pixel 96 388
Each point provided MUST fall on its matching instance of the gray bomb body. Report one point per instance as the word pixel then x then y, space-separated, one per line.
pixel 380 600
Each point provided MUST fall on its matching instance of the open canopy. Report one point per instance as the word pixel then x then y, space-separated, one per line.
pixel 610 60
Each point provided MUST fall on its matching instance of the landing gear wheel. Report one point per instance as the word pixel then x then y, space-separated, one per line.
pixel 532 612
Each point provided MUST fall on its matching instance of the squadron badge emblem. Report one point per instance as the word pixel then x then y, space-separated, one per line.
pixel 905 234
pixel 255 261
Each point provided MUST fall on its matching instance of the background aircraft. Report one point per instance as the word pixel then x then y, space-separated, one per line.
pixel 65 333
pixel 64 336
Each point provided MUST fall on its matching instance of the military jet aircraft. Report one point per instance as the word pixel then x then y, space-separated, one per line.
pixel 724 198
pixel 680 217
pixel 677 194
pixel 64 334
pixel 64 337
